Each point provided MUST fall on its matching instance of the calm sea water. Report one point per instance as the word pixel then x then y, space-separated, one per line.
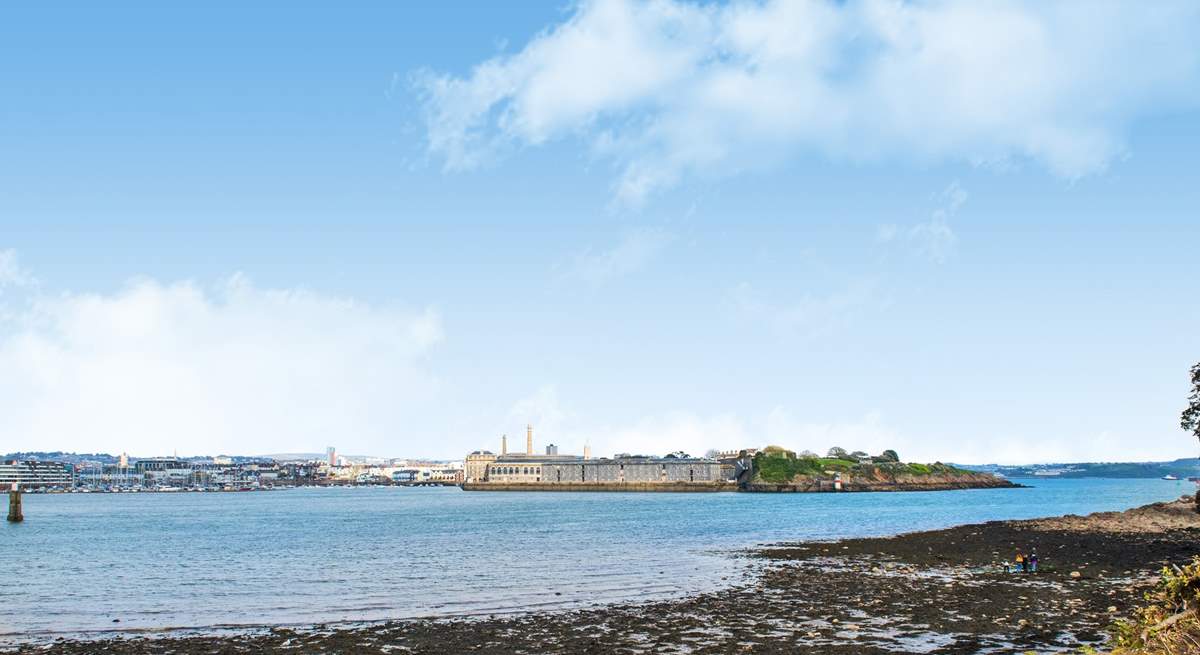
pixel 306 556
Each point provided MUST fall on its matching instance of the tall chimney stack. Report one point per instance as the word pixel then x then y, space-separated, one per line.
pixel 504 444
pixel 587 451
pixel 528 439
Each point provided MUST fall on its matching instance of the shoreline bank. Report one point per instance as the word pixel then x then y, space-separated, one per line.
pixel 942 591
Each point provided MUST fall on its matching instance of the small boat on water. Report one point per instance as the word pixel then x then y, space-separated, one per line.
pixel 1169 477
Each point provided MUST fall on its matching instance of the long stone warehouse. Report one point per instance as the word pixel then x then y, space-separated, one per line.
pixel 485 468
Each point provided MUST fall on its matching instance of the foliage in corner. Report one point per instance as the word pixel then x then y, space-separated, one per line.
pixel 1170 622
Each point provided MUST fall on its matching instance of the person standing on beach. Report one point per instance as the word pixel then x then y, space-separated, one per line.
pixel 1020 561
pixel 1033 562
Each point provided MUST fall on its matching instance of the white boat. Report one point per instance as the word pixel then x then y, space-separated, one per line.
pixel 1169 477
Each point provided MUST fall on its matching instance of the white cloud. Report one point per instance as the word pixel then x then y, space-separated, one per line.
pixel 636 249
pixel 666 433
pixel 157 367
pixel 669 88
pixel 695 433
pixel 542 410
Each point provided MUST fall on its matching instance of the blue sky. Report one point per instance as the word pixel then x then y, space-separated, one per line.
pixel 967 232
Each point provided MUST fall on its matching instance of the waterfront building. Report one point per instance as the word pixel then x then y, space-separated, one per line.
pixel 634 469
pixel 446 475
pixel 31 474
pixel 475 466
pixel 167 471
pixel 526 468
pixel 405 475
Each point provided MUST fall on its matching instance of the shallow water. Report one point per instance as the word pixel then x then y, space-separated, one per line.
pixel 307 556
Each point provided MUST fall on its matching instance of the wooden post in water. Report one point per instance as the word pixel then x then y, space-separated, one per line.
pixel 14 505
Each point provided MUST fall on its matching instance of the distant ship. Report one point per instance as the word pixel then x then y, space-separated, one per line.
pixel 1169 477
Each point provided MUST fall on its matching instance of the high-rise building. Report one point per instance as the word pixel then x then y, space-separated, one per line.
pixel 331 455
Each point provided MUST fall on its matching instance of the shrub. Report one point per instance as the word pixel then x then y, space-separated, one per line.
pixel 782 466
pixel 1170 623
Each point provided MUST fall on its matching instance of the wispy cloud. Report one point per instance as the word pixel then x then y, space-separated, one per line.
pixel 11 271
pixel 636 249
pixel 667 89
pixel 933 239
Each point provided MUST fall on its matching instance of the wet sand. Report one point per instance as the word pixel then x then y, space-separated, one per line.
pixel 941 592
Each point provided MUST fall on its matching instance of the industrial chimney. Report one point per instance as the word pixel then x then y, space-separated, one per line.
pixel 504 444
pixel 528 439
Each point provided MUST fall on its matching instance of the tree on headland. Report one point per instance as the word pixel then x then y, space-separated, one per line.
pixel 889 455
pixel 837 452
pixel 1189 420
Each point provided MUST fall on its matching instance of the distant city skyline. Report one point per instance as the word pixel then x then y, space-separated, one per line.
pixel 639 227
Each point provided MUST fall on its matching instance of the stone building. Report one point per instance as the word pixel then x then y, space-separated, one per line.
pixel 634 469
pixel 518 468
pixel 476 464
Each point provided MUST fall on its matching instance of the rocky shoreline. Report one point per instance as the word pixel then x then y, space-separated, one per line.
pixel 937 592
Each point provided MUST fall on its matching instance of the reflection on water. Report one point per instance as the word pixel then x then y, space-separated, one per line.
pixel 308 556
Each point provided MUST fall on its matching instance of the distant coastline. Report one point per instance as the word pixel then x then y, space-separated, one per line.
pixel 1182 468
